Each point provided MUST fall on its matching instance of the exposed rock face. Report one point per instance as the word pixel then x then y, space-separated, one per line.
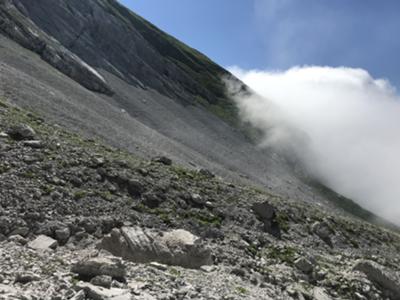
pixel 109 37
pixel 21 29
pixel 177 247
pixel 377 274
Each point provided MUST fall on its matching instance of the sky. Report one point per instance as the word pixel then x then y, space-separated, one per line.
pixel 280 34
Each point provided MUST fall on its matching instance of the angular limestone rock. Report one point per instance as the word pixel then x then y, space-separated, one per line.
pixel 43 242
pixel 176 247
pixel 377 274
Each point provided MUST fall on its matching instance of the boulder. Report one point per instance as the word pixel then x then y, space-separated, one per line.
pixel 324 231
pixel 98 266
pixel 378 275
pixel 176 247
pixel 21 132
pixel 43 242
pixel 267 214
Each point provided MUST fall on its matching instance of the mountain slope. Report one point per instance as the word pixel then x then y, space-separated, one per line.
pixel 65 200
pixel 95 67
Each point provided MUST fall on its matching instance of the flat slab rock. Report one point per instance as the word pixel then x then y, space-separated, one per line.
pixel 100 293
pixel 43 242
pixel 176 247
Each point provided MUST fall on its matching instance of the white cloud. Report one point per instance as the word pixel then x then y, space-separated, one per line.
pixel 342 123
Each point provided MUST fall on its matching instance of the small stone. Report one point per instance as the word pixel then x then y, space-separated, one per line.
pixel 63 234
pixel 197 200
pixel 207 269
pixel 206 173
pixel 25 278
pixel 33 144
pixel 158 266
pixel 18 239
pixel 304 265
pixel 163 160
pixel 23 231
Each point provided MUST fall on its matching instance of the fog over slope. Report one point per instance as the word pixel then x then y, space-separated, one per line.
pixel 341 122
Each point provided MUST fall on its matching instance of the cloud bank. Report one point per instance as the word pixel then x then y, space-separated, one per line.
pixel 343 124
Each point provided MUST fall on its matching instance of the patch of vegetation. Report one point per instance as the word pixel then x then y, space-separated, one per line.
pixel 203 217
pixel 175 272
pixel 285 254
pixel 106 195
pixel 283 221
pixel 241 290
pixel 28 175
pixel 80 194
pixel 3 169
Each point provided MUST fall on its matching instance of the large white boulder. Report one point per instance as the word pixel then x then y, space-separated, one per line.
pixel 176 247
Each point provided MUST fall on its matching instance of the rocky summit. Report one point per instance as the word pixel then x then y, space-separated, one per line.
pixel 126 173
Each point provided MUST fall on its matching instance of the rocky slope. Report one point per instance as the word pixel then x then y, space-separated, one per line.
pixel 80 220
pixel 98 69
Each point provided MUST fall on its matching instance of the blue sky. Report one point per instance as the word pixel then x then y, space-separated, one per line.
pixel 279 34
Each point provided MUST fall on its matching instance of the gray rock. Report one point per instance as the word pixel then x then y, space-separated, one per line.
pixel 163 160
pixel 323 230
pixel 97 266
pixel 43 242
pixel 62 235
pixel 99 293
pixel 380 276
pixel 26 277
pixel 79 295
pixel 176 247
pixel 267 214
pixel 102 280
pixel 320 294
pixel 21 132
pixel 304 265
pixel 206 173
pixel 33 144
pixel 18 239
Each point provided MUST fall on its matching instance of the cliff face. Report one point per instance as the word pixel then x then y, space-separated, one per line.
pixel 109 37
